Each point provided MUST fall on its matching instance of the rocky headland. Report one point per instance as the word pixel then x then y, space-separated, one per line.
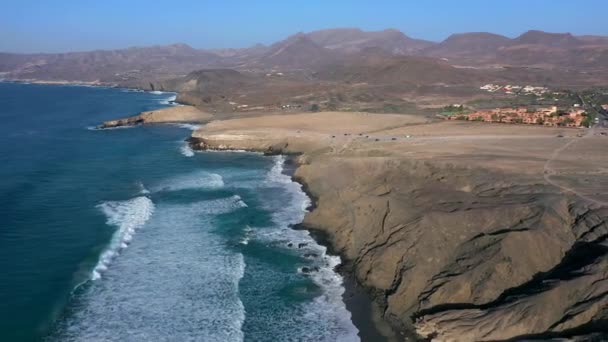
pixel 452 226
pixel 176 114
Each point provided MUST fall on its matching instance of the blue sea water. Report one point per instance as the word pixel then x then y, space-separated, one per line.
pixel 128 235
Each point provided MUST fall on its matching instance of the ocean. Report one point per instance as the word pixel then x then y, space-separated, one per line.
pixel 128 235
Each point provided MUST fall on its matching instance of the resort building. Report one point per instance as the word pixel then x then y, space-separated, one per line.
pixel 547 116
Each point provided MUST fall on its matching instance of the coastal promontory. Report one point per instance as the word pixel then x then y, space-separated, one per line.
pixel 460 231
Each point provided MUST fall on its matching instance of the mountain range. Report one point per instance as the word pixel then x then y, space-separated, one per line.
pixel 313 51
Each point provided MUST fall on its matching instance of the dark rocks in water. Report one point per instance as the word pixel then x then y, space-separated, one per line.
pixel 302 245
pixel 308 270
pixel 290 245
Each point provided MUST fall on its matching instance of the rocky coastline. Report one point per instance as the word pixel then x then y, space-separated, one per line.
pixel 176 114
pixel 451 250
pixel 451 228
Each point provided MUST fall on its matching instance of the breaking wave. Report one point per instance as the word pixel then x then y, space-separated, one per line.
pixel 169 100
pixel 186 150
pixel 327 312
pixel 127 216
pixel 194 180
pixel 176 282
pixel 192 127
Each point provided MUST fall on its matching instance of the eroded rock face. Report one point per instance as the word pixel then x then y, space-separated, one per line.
pixel 458 253
pixel 462 254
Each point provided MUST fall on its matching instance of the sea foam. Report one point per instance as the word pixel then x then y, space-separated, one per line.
pixel 192 127
pixel 178 282
pixel 327 312
pixel 186 150
pixel 127 216
pixel 194 180
pixel 169 100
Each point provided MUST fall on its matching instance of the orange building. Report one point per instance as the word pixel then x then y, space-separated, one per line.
pixel 548 116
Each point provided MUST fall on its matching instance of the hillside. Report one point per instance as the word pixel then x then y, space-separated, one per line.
pixel 334 60
pixel 352 40
pixel 478 46
pixel 532 48
pixel 375 66
pixel 108 65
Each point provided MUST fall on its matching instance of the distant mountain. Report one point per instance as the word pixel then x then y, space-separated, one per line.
pixel 475 46
pixel 375 66
pixel 108 65
pixel 305 53
pixel 296 52
pixel 591 40
pixel 557 40
pixel 532 48
pixel 352 40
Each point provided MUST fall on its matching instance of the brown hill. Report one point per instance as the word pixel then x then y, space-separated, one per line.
pixel 296 52
pixel 562 40
pixel 108 65
pixel 344 50
pixel 469 47
pixel 532 48
pixel 353 40
pixel 376 66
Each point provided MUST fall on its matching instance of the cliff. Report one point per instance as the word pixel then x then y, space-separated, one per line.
pixel 451 226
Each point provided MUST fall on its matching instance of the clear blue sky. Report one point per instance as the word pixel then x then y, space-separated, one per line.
pixel 72 25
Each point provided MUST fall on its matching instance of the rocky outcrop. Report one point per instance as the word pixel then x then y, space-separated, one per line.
pixel 166 115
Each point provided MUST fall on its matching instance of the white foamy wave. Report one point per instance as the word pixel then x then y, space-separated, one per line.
pixel 192 127
pixel 248 232
pixel 331 301
pixel 327 312
pixel 294 214
pixel 218 206
pixel 276 172
pixel 169 100
pixel 195 180
pixel 186 150
pixel 178 282
pixel 142 189
pixel 127 216
pixel 156 92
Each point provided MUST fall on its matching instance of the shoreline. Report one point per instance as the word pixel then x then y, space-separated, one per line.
pixel 350 179
pixel 61 82
pixel 418 216
pixel 365 312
